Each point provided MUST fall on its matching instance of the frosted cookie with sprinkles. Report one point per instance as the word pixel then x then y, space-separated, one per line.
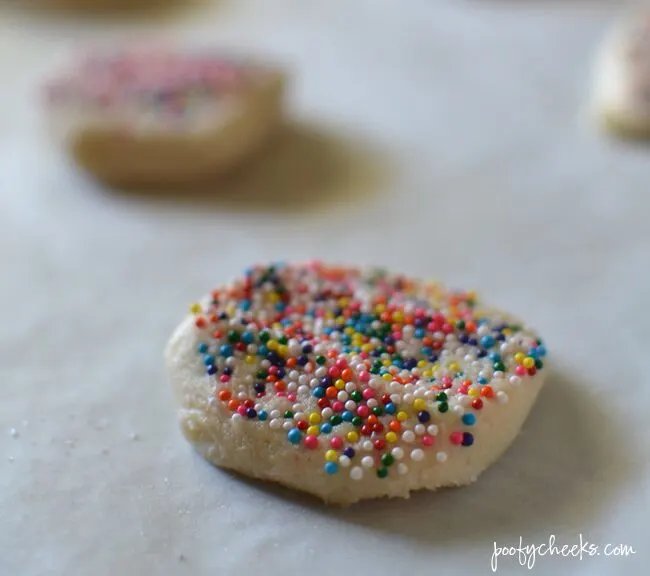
pixel 149 117
pixel 622 77
pixel 351 384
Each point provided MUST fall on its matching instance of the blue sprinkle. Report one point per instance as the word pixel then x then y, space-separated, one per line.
pixel 208 360
pixel 468 439
pixel 349 452
pixel 424 416
pixel 482 380
pixel 203 348
pixel 262 415
pixel 245 305
pixel 294 436
pixel 390 408
pixel 347 416
pixel 419 333
pixel 469 419
pixel 487 341
pixel 212 369
pixel 251 413
pixel 541 350
pixel 226 350
pixel 262 350
pixel 326 428
pixel 248 337
pixel 331 468
pixel 494 357
pixel 318 392
pixel 280 306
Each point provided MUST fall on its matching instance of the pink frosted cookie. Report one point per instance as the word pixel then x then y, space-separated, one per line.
pixel 351 384
pixel 148 117
pixel 622 80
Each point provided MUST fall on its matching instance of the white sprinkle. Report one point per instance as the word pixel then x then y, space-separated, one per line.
pixel 367 462
pixel 458 410
pixel 344 461
pixel 397 453
pixel 236 417
pixel 402 468
pixel 136 436
pixel 408 436
pixel 432 429
pixel 441 457
pixel 69 443
pixel 275 423
pixel 502 397
pixel 419 429
pixel 104 451
pixel 10 458
pixel 287 425
pixel 367 446
pixel 356 473
pixel 417 455
pixel 13 432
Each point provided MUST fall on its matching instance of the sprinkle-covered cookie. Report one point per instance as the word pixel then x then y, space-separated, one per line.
pixel 351 384
pixel 138 116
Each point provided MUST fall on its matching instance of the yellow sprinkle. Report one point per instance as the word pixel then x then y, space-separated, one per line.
pixel 391 437
pixel 195 308
pixel 313 430
pixel 387 377
pixel 278 327
pixel 339 384
pixel 366 348
pixel 250 359
pixel 454 367
pixel 230 310
pixel 380 308
pixel 401 416
pixel 329 315
pixel 283 350
pixel 331 456
pixel 473 392
pixel 519 357
pixel 427 374
pixel 314 418
pixel 349 330
pixel 398 316
pixel 352 436
pixel 419 404
pixel 343 302
pixel 422 363
pixel 435 368
pixel 272 344
pixel 529 362
pixel 274 297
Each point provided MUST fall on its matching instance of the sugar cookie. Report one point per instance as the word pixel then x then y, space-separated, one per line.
pixel 157 118
pixel 622 78
pixel 351 384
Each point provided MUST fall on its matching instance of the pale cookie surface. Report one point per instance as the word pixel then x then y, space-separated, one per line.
pixel 351 384
pixel 622 77
pixel 151 117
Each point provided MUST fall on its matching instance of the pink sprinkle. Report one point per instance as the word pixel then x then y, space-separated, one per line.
pixel 429 440
pixel 456 438
pixel 520 371
pixel 224 378
pixel 364 376
pixel 291 397
pixel 334 372
pixel 336 443
pixel 363 411
pixel 338 406
pixel 368 393
pixel 446 380
pixel 241 409
pixel 341 363
pixel 311 442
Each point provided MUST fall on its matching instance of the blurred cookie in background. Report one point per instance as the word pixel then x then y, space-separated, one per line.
pixel 152 117
pixel 622 77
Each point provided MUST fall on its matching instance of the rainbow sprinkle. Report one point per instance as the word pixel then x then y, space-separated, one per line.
pixel 367 367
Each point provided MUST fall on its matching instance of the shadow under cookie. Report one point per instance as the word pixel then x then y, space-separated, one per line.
pixel 301 168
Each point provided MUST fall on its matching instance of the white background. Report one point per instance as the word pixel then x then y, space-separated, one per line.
pixel 440 138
